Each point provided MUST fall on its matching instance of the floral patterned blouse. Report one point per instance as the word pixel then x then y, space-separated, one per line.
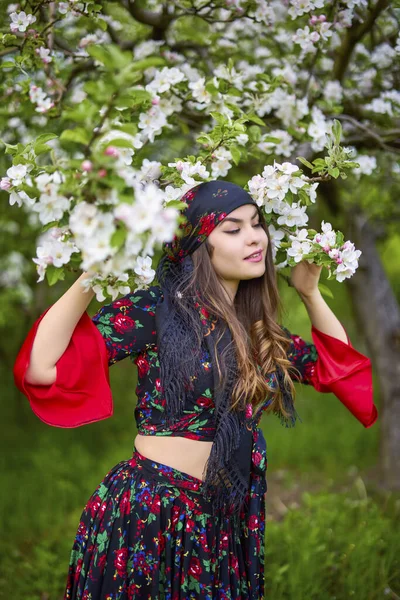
pixel 128 328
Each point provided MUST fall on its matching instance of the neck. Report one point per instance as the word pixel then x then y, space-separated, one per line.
pixel 230 288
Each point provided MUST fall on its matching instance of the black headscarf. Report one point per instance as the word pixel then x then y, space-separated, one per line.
pixel 227 476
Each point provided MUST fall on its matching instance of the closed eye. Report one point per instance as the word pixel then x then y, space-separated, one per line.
pixel 237 230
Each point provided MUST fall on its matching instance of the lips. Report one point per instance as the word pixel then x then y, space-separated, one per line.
pixel 253 254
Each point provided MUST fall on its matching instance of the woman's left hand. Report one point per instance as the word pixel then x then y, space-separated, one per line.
pixel 304 277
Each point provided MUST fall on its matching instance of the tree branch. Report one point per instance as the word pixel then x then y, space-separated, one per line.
pixel 377 136
pixel 353 36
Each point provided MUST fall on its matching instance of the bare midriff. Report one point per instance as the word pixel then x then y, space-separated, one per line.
pixel 183 454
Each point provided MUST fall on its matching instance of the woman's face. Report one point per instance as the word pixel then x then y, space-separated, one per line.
pixel 237 237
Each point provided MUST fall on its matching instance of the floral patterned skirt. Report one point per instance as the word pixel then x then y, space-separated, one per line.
pixel 148 533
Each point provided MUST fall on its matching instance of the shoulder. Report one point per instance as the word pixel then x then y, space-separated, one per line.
pixel 138 300
pixel 145 300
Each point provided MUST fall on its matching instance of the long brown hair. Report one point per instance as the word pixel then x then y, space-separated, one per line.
pixel 260 344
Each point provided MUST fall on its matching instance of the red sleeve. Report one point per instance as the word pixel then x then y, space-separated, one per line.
pixel 345 372
pixel 81 393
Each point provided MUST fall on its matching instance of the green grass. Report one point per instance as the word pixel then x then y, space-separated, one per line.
pixel 334 547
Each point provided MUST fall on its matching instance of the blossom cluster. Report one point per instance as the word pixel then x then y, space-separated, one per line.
pixel 289 98
pixel 144 223
pixel 275 191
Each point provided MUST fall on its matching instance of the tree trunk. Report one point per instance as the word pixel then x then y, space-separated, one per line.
pixel 378 315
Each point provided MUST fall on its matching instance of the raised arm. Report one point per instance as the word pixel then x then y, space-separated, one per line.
pixel 54 333
pixel 304 278
pixel 330 363
pixel 75 389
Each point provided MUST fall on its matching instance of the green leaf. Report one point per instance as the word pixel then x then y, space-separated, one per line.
pixel 271 140
pixel 131 98
pixel 78 135
pixel 9 39
pixel 11 148
pixel 110 56
pixel 304 161
pixel 54 274
pixel 46 137
pixel 337 131
pixel 254 133
pixel 339 238
pixel 102 24
pixel 42 148
pixel 118 237
pixel 325 290
pixel 211 88
pixel 334 172
pixel 221 119
pixel 255 119
pixel 152 61
pixel 236 154
pixel 49 225
pixel 8 64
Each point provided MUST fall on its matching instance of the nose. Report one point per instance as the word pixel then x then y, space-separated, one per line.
pixel 254 235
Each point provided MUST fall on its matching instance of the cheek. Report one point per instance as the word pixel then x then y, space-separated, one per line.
pixel 225 254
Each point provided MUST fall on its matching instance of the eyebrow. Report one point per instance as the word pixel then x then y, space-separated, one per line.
pixel 234 220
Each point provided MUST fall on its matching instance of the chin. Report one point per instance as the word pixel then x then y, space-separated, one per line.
pixel 255 274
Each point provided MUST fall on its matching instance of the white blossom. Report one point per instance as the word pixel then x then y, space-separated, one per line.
pixel 199 91
pixel 221 162
pixel 298 250
pixel 293 215
pixel 367 165
pixel 21 21
pixel 44 54
pixel 143 269
pixel 283 147
pixel 326 239
pixel 152 122
pixel 276 235
pixel 306 39
pixel 333 91
pixel 165 79
pixel 17 174
pixel 147 48
pixel 51 207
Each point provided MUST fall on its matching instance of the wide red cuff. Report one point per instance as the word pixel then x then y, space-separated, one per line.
pixel 81 393
pixel 345 372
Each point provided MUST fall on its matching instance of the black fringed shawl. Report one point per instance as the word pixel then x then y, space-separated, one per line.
pixel 179 342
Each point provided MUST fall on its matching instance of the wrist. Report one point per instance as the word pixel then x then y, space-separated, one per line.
pixel 310 296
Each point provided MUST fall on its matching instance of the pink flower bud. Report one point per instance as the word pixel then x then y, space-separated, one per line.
pixel 322 18
pixel 5 183
pixel 102 173
pixel 339 261
pixel 314 20
pixel 318 238
pixel 155 101
pixel 179 166
pixel 111 151
pixel 326 248
pixel 87 165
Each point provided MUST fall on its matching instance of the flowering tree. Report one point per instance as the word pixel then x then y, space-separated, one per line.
pixel 113 111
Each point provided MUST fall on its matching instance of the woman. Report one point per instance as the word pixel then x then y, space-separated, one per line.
pixel 184 516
